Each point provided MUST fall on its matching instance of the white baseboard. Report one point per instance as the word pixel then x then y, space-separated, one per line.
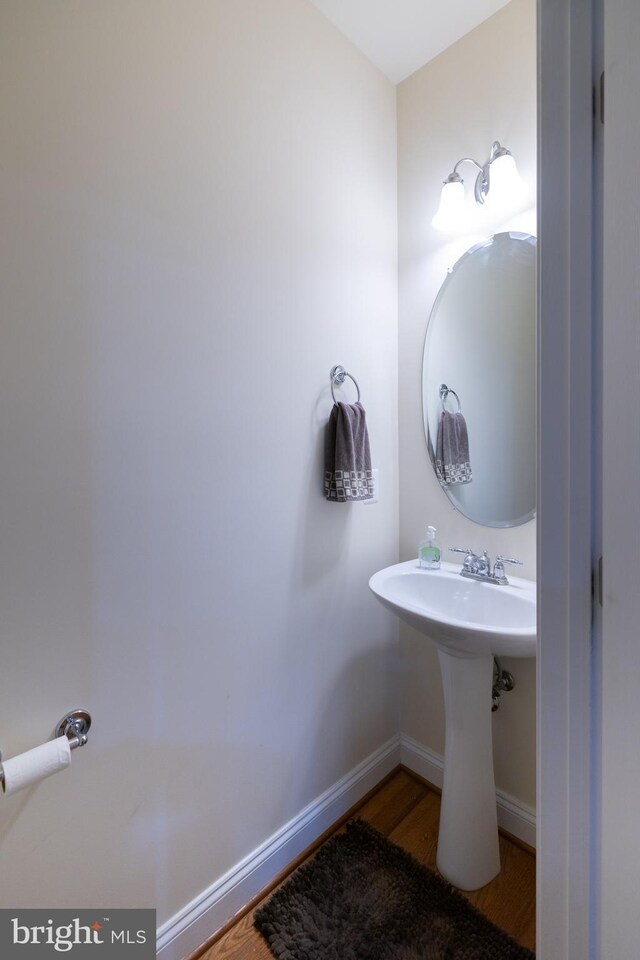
pixel 513 816
pixel 214 907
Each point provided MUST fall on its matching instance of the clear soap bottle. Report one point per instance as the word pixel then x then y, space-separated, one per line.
pixel 429 551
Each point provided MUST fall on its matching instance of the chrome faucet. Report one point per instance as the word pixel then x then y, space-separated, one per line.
pixel 479 568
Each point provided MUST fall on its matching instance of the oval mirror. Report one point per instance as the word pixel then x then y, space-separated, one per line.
pixel 480 360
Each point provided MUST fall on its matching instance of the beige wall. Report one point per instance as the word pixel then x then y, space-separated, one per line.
pixel 198 200
pixel 479 90
pixel 198 208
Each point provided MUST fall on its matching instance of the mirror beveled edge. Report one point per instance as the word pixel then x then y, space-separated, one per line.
pixel 530 514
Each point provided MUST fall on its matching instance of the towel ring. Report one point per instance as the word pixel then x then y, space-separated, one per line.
pixel 444 393
pixel 337 375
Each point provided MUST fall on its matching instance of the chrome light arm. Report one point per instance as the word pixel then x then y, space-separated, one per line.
pixel 482 184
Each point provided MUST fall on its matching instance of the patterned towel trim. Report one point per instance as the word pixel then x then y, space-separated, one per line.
pixel 453 472
pixel 343 485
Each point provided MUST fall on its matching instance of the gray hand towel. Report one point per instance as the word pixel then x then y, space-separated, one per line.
pixel 347 462
pixel 452 449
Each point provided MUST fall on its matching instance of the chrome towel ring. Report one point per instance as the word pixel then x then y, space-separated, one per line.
pixel 337 376
pixel 444 393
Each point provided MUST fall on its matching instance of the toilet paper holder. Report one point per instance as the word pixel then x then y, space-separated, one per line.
pixel 74 725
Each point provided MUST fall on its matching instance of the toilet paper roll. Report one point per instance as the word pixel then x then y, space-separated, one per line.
pixel 36 764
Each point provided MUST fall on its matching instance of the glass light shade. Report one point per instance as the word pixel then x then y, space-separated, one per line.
pixel 450 214
pixel 507 190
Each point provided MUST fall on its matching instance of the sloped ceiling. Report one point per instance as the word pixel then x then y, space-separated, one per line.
pixel 400 36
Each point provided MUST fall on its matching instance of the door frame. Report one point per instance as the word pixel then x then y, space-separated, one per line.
pixel 567 530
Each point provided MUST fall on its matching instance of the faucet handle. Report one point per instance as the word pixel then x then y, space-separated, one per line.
pixel 501 559
pixel 469 557
pixel 498 569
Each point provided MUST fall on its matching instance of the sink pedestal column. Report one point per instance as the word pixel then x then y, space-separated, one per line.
pixel 468 853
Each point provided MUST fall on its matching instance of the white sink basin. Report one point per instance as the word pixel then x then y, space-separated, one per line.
pixel 464 615
pixel 470 623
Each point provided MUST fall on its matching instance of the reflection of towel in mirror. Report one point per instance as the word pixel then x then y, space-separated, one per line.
pixel 452 449
pixel 347 461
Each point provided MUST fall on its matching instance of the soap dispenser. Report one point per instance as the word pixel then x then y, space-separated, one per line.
pixel 429 551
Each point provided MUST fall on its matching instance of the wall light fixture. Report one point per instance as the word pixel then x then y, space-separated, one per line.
pixel 498 188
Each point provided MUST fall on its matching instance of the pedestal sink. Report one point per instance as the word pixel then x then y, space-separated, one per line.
pixel 470 623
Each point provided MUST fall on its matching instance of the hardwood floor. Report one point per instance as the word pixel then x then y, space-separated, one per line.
pixel 407 811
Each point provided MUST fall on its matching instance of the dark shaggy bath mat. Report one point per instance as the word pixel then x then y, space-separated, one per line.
pixel 364 898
